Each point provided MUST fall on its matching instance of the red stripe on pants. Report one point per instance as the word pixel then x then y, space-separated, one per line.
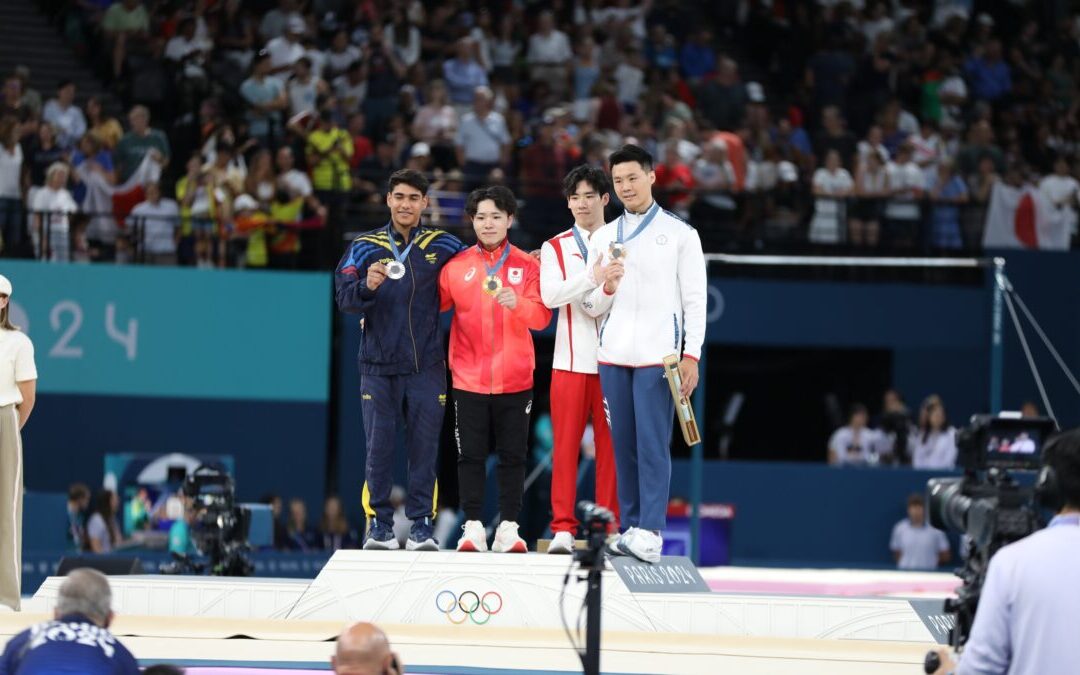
pixel 574 396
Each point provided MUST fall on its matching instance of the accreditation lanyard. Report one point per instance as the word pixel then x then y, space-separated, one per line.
pixel 393 244
pixel 492 271
pixel 649 215
pixel 580 243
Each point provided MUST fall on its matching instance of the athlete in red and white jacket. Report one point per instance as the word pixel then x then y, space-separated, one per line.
pixel 575 382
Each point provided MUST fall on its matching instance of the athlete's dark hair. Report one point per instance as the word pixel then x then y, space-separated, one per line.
pixel 596 178
pixel 409 177
pixel 504 200
pixel 631 153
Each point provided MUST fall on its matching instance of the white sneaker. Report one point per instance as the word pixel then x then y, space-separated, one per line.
pixel 562 542
pixel 473 538
pixel 613 542
pixel 507 539
pixel 645 545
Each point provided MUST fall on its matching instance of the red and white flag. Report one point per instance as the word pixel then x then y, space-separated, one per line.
pixel 1023 218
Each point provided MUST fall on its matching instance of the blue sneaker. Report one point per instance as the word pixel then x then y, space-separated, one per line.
pixel 422 536
pixel 381 538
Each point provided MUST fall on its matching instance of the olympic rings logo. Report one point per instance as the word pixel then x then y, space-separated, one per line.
pixel 468 606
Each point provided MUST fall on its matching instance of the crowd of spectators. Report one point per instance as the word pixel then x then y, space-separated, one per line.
pixel 866 123
pixel 894 437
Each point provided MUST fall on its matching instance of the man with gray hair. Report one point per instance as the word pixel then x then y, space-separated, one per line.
pixel 363 649
pixel 77 639
pixel 483 140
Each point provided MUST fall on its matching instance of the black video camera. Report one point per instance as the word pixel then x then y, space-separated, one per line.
pixel 987 504
pixel 219 527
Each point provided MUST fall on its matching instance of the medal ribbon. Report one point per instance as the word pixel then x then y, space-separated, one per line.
pixel 580 243
pixel 644 223
pixel 492 271
pixel 393 244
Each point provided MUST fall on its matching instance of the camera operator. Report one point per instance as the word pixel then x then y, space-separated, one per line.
pixel 1025 618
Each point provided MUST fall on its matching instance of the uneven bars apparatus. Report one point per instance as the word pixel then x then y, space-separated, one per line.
pixel 998 283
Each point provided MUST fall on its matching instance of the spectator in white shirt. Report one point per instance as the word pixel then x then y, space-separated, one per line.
pixel 65 116
pixel 340 56
pixel 51 206
pixel 1063 193
pixel 549 54
pixel 934 445
pixel 832 185
pixel 916 545
pixel 155 224
pixel 483 141
pixel 906 187
pixel 285 50
pixel 188 50
pixel 855 443
pixel 304 88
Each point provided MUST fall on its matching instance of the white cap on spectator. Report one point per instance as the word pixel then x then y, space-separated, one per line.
pixel 5 286
pixel 755 92
pixel 296 24
pixel 420 149
pixel 245 203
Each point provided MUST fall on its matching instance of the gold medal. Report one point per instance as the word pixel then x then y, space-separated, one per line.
pixel 492 284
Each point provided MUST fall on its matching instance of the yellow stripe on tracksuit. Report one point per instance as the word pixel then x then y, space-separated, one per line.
pixel 369 512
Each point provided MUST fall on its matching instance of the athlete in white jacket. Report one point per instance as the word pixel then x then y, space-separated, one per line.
pixel 651 304
pixel 575 384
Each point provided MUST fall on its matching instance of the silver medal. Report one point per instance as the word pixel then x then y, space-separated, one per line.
pixel 395 269
pixel 617 250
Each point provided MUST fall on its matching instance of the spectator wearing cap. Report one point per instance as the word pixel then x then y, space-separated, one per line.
pixel 286 49
pixel 125 21
pixel 419 158
pixel 916 545
pixel 265 97
pixel 463 74
pixel 138 143
pixel 483 141
pixel 65 116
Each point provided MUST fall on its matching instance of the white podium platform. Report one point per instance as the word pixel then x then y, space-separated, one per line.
pixel 523 591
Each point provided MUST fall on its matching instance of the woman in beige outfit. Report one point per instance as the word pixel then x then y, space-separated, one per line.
pixel 18 387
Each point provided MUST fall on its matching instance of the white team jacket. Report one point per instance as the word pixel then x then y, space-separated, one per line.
pixel 661 299
pixel 563 284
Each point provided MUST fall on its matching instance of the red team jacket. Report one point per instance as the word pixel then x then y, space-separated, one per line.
pixel 491 349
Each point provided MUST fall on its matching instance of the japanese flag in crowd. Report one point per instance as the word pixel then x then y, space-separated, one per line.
pixel 1023 218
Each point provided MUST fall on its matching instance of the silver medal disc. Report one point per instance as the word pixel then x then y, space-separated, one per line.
pixel 618 250
pixel 395 269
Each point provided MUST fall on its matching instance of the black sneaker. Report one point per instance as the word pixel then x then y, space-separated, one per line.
pixel 422 536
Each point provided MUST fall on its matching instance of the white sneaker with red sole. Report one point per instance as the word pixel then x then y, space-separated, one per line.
pixel 507 539
pixel 473 538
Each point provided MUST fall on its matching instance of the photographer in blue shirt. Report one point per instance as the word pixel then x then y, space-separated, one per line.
pixel 77 640
pixel 1026 619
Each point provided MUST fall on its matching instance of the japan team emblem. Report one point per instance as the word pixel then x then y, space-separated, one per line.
pixel 514 275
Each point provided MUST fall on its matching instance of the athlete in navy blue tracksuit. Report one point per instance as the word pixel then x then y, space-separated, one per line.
pixel 391 276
